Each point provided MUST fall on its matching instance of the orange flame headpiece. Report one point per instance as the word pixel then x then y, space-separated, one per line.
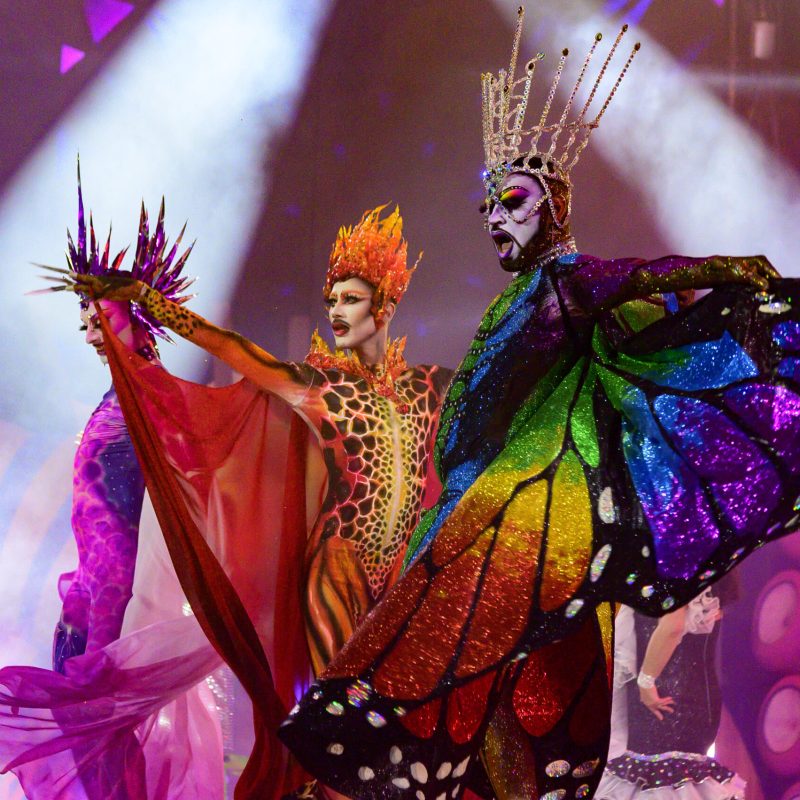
pixel 375 251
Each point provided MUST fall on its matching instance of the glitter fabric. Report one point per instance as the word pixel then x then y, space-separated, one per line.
pixel 590 451
pixel 108 489
pixel 465 709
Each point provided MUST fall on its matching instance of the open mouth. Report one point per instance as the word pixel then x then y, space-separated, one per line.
pixel 503 243
pixel 340 328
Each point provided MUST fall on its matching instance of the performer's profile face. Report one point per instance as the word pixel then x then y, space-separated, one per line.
pixel 514 217
pixel 118 315
pixel 350 313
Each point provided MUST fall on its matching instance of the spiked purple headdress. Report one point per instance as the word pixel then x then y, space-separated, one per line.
pixel 152 264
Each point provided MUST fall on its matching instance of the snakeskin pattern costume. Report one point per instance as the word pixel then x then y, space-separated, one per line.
pixel 377 459
pixel 376 428
pixel 108 489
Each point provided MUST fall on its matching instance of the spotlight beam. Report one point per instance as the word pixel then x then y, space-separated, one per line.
pixel 711 183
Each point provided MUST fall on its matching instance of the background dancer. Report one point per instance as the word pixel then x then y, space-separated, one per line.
pixel 123 720
pixel 673 709
pixel 108 486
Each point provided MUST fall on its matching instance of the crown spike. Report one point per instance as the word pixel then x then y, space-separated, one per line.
pixel 568 107
pixel 486 88
pixel 540 128
pixel 530 69
pixel 614 88
pixel 512 67
pixel 552 93
pixel 602 72
pixel 596 121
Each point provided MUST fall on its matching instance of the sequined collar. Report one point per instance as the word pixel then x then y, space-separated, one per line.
pixel 381 377
pixel 559 250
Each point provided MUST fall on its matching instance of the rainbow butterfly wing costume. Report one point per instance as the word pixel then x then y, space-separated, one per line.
pixel 593 449
pixel 583 462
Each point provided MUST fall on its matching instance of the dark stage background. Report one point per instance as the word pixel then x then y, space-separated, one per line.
pixel 267 125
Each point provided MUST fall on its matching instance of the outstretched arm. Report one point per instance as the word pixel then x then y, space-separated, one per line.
pixel 597 286
pixel 238 353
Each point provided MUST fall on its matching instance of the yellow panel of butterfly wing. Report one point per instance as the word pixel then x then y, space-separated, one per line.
pixel 569 534
pixel 473 515
pixel 605 616
pixel 503 606
pixel 536 442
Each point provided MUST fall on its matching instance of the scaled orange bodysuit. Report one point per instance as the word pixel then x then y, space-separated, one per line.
pixel 375 431
pixel 281 539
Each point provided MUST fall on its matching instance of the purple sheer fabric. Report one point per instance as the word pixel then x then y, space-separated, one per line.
pixel 85 734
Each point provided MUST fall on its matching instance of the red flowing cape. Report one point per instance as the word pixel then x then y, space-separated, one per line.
pixel 227 471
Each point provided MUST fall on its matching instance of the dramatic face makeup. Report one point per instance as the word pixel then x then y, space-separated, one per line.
pixel 350 313
pixel 513 217
pixel 90 322
pixel 118 315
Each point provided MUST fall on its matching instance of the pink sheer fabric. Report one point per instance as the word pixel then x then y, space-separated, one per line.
pixel 233 475
pixel 240 469
pixel 74 736
pixel 133 721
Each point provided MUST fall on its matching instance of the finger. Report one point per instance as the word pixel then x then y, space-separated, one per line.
pixel 60 270
pixel 49 289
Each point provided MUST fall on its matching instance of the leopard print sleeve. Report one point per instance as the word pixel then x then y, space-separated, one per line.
pixel 285 380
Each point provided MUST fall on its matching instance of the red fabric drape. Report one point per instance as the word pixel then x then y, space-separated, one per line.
pixel 205 455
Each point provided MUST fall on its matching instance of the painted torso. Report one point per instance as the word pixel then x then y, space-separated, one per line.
pixel 108 489
pixel 376 451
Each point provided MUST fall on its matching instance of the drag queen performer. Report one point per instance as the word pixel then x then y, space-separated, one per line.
pixel 673 710
pixel 108 487
pixel 586 457
pixel 130 718
pixel 347 499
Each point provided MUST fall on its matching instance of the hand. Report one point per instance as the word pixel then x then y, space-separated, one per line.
pixel 118 287
pixel 756 271
pixel 656 704
pixel 108 287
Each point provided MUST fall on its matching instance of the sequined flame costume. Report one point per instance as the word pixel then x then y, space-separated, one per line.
pixel 597 444
pixel 124 714
pixel 307 485
pixel 666 758
pixel 108 486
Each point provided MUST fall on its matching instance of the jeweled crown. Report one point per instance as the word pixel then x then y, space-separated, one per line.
pixel 557 144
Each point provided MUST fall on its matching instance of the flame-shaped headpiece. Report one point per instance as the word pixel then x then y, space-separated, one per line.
pixel 375 251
